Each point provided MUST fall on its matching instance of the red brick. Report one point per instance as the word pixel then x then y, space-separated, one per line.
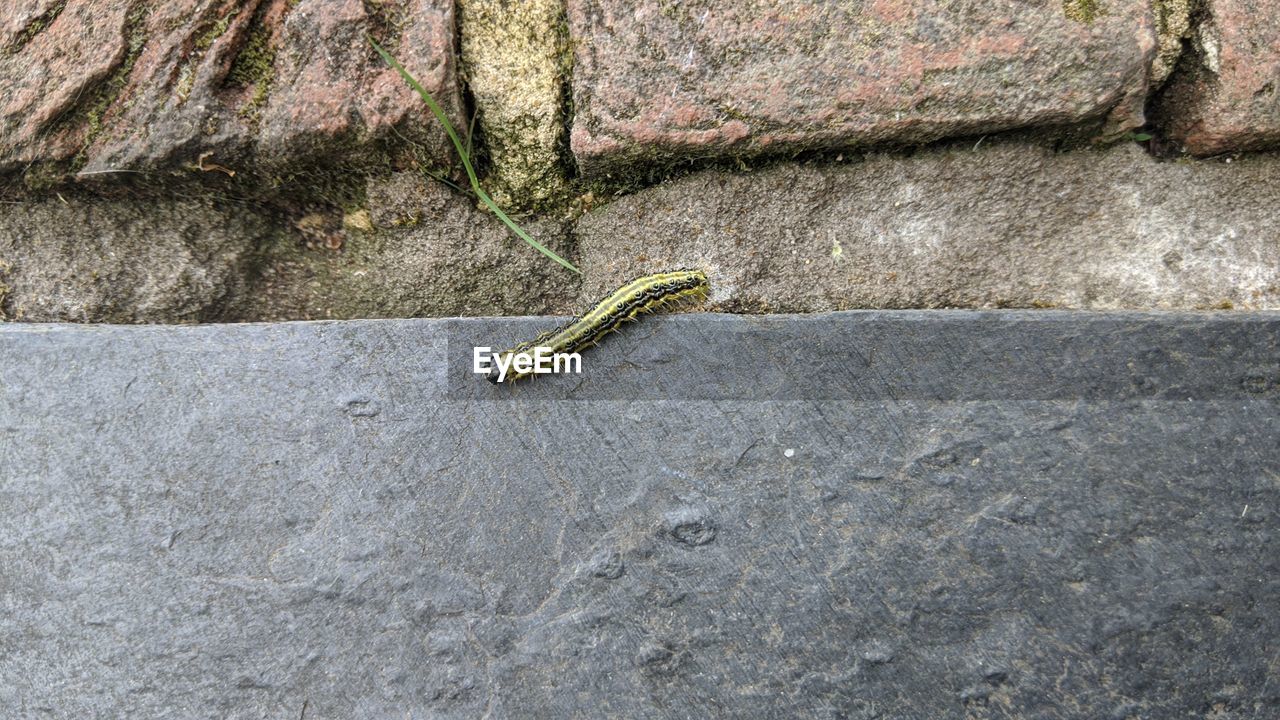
pixel 52 71
pixel 1227 97
pixel 115 89
pixel 656 80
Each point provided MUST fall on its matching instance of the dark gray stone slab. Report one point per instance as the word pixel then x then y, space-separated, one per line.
pixel 863 515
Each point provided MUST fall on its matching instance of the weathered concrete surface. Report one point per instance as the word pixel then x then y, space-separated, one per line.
pixel 1227 98
pixel 1005 225
pixel 102 86
pixel 897 515
pixel 673 81
pixel 98 260
pixel 516 58
pixel 415 248
pixel 999 226
pixel 418 249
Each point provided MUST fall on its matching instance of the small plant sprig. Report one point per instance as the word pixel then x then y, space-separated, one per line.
pixel 465 155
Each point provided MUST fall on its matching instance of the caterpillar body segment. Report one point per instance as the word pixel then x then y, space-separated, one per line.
pixel 640 296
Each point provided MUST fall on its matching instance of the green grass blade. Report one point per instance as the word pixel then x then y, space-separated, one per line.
pixel 442 179
pixel 466 159
pixel 471 132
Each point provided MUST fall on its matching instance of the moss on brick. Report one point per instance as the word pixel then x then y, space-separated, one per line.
pixel 254 67
pixel 93 110
pixel 37 26
pixel 216 30
pixel 1085 11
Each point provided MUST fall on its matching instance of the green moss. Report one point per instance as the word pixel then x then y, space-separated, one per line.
pixel 1085 11
pixel 255 61
pixel 186 82
pixel 254 68
pixel 37 26
pixel 187 73
pixel 205 41
pixel 252 110
pixel 109 91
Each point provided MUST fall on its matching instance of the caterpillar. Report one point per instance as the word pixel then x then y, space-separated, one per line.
pixel 642 295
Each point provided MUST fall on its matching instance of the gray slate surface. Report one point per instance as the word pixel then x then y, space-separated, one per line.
pixel 862 515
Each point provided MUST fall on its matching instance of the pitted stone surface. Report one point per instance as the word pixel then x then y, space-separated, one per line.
pixel 914 515
pixel 418 249
pixel 425 251
pixel 516 61
pixel 199 85
pixel 1227 98
pixel 659 81
pixel 981 224
pixel 971 225
pixel 98 260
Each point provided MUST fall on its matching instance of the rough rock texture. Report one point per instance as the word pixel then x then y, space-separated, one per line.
pixel 871 515
pixel 208 85
pixel 419 249
pixel 1001 226
pixel 1005 225
pixel 659 80
pixel 1173 30
pixel 120 261
pixel 1228 97
pixel 515 65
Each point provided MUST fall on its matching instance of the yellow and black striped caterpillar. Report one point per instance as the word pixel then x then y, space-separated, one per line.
pixel 642 295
